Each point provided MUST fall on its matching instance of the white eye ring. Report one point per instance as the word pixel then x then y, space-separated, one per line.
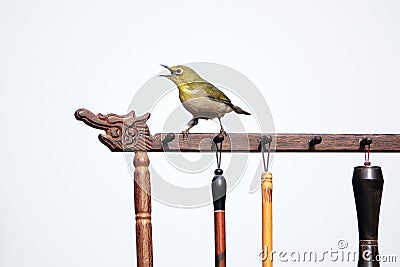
pixel 179 71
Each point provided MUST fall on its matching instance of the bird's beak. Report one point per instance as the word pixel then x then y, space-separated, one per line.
pixel 165 75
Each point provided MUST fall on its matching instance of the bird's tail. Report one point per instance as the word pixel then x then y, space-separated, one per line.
pixel 238 110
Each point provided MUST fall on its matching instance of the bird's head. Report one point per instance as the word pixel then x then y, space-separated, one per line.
pixel 181 74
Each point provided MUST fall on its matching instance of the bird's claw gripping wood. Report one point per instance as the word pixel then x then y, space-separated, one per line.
pixel 185 133
pixel 190 125
pixel 223 132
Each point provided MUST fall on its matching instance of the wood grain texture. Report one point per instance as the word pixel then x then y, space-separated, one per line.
pixel 281 142
pixel 129 133
pixel 144 246
pixel 220 242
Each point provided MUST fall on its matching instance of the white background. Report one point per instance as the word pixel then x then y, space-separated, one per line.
pixel 65 200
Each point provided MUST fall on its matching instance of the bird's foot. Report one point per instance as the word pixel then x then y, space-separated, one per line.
pixel 185 133
pixel 222 131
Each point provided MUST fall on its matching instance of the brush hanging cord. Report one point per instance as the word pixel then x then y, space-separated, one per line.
pixel 218 188
pixel 218 153
pixel 266 206
pixel 366 155
pixel 263 141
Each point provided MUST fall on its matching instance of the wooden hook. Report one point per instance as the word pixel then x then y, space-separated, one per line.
pixel 314 141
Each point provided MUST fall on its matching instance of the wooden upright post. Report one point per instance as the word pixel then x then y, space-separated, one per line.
pixel 144 245
pixel 130 133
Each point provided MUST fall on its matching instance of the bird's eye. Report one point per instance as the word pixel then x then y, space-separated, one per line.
pixel 179 71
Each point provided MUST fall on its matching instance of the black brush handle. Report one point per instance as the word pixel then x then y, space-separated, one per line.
pixel 367 187
pixel 218 188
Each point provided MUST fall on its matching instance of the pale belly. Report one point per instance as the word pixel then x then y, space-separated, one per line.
pixel 204 107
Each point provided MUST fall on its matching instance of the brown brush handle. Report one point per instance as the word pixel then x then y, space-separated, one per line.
pixel 220 244
pixel 144 246
pixel 266 191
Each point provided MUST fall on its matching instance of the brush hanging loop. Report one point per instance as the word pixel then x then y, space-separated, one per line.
pixel 218 153
pixel 266 140
pixel 366 155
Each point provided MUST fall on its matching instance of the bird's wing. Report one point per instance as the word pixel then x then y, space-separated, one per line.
pixel 215 94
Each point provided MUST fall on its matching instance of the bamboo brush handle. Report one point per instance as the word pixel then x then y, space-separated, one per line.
pixel 266 190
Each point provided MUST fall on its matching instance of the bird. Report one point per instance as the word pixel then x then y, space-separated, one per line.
pixel 200 97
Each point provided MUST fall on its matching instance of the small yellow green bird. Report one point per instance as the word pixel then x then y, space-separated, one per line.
pixel 201 98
